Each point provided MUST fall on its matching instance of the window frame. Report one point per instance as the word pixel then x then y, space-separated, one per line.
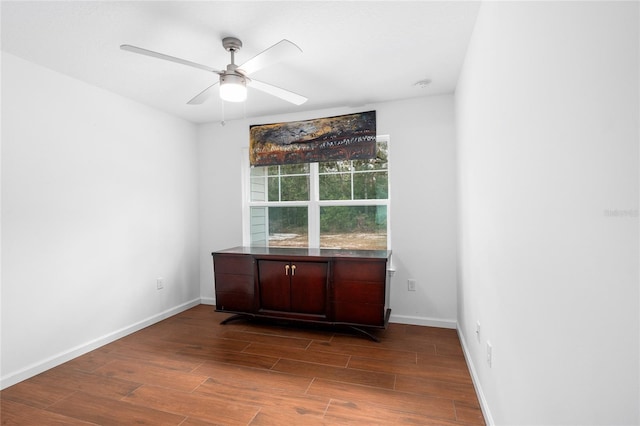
pixel 313 204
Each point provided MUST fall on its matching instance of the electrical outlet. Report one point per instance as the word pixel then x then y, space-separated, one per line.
pixel 489 354
pixel 411 285
pixel 478 330
pixel 160 283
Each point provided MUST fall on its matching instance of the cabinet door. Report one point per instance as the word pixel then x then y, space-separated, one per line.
pixel 274 281
pixel 293 287
pixel 309 287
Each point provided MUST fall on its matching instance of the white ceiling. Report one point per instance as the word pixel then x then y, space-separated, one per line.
pixel 355 52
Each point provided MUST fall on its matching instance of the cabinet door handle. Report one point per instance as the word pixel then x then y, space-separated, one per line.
pixel 293 269
pixel 286 269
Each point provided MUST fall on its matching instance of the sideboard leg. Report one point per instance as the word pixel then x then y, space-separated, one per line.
pixel 366 333
pixel 234 318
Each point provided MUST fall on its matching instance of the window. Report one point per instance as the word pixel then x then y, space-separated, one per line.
pixel 336 204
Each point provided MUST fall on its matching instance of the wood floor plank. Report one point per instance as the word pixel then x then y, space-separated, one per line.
pixel 349 375
pixel 271 416
pixel 436 408
pixel 450 349
pixel 317 357
pixel 286 402
pixel 318 333
pixel 13 413
pixel 106 411
pixel 199 406
pixel 437 389
pixel 436 333
pixel 432 372
pixel 192 421
pixel 169 360
pixel 284 341
pixel 94 384
pixel 236 358
pixel 265 379
pixel 350 413
pixel 90 361
pixel 469 413
pixel 454 362
pixel 194 348
pixel 365 351
pixel 204 339
pixel 35 394
pixel 396 341
pixel 136 371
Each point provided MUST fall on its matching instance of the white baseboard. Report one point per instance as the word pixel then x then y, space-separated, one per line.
pixel 429 322
pixel 476 381
pixel 54 361
pixel 208 301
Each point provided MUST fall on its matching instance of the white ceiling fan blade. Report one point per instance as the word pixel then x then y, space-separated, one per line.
pixel 288 96
pixel 202 96
pixel 153 54
pixel 274 54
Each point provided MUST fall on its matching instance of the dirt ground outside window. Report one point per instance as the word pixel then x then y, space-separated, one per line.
pixel 352 240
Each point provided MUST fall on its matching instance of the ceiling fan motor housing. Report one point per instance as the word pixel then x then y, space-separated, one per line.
pixel 233 78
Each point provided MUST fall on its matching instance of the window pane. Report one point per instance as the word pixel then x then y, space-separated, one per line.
pixel 294 188
pixel 258 184
pixel 274 188
pixel 283 183
pixel 288 227
pixel 357 179
pixel 353 227
pixel 370 186
pixel 257 171
pixel 258 189
pixel 335 186
pixel 272 170
pixel 258 225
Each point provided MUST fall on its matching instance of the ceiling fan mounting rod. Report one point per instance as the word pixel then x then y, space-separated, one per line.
pixel 232 45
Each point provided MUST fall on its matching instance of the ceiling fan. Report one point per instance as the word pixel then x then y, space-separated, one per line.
pixel 235 78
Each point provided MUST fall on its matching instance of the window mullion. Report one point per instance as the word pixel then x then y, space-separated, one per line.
pixel 279 183
pixel 314 207
pixel 351 169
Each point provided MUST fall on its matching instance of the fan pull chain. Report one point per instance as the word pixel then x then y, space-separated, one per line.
pixel 222 123
pixel 244 110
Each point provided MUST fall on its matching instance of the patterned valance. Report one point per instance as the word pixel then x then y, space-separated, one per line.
pixel 344 137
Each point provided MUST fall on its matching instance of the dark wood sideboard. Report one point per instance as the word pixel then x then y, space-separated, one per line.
pixel 328 286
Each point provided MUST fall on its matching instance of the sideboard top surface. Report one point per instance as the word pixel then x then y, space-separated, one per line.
pixel 308 252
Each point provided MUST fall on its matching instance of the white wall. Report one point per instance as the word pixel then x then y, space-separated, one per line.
pixel 547 119
pixel 99 199
pixel 219 152
pixel 423 210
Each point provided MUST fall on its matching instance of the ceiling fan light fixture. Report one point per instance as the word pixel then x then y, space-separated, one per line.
pixel 233 88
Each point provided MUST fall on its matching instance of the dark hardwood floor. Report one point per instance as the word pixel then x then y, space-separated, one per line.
pixel 189 370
